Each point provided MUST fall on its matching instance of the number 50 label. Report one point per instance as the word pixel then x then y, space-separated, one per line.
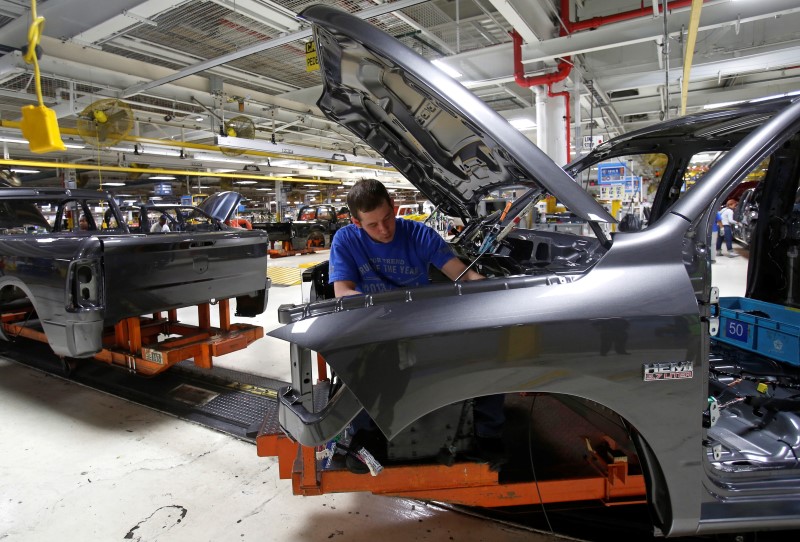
pixel 737 330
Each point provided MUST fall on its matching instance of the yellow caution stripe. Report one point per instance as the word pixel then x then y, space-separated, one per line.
pixel 285 276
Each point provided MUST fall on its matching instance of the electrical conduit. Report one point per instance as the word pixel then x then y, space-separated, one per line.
pixel 564 65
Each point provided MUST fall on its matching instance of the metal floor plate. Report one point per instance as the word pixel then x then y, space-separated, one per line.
pixel 228 401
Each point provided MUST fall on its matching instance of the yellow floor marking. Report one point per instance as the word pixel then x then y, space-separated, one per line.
pixel 285 276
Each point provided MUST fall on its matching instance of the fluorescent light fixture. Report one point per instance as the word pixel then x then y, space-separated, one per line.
pixel 755 100
pixel 279 163
pixel 198 118
pixel 245 181
pixel 74 146
pixel 264 189
pixel 18 170
pixel 449 70
pixel 210 158
pixel 113 183
pixel 160 152
pixel 162 178
pixel 786 94
pixel 723 104
pixel 522 123
pixel 704 157
pixel 13 140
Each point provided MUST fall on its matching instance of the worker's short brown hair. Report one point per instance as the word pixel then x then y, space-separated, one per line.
pixel 367 195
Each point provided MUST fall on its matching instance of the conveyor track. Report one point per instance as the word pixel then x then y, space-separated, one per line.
pixel 238 403
pixel 229 401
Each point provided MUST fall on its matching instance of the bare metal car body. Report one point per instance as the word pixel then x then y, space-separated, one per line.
pixel 624 321
pixel 82 281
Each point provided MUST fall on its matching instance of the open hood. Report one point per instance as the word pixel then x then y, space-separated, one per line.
pixel 221 205
pixel 448 143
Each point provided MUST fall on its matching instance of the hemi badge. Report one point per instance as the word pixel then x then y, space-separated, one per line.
pixel 668 371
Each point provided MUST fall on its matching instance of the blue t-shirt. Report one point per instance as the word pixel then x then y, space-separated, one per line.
pixel 377 267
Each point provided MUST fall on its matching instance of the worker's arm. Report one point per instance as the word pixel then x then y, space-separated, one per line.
pixel 342 288
pixel 455 267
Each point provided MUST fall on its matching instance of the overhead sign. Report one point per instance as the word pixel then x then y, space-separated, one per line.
pixel 162 189
pixel 312 61
pixel 633 184
pixel 612 191
pixel 611 173
pixel 591 141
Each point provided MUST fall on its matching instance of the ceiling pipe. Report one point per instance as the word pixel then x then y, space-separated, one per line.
pixel 199 146
pixel 563 71
pixel 564 68
pixel 597 22
pixel 567 116
pixel 162 171
pixel 564 65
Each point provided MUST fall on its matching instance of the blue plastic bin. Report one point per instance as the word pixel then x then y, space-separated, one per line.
pixel 765 328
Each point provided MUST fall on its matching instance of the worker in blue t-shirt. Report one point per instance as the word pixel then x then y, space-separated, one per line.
pixel 379 252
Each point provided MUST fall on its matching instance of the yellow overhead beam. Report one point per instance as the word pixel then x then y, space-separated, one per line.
pixel 691 39
pixel 161 171
pixel 203 147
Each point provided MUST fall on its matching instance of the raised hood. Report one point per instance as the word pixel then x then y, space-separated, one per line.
pixel 220 205
pixel 448 143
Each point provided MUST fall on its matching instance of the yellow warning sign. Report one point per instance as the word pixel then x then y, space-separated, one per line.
pixel 312 62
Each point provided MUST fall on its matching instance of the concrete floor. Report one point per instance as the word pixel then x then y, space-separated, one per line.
pixel 76 464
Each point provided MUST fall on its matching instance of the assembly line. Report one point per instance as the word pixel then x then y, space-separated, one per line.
pixel 321 271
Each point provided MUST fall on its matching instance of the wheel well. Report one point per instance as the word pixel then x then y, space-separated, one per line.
pixel 14 299
pixel 568 429
pixel 316 237
pixel 11 294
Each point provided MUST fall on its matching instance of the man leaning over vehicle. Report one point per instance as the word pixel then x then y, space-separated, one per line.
pixel 379 252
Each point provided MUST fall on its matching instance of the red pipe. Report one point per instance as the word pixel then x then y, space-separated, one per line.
pixel 564 67
pixel 567 116
pixel 596 22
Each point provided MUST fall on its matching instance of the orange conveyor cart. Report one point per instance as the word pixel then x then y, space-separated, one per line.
pixel 557 456
pixel 148 345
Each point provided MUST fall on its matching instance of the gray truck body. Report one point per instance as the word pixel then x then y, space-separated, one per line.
pixel 81 282
pixel 623 323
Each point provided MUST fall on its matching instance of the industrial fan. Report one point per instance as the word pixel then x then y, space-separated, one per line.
pixel 9 178
pixel 241 127
pixel 105 122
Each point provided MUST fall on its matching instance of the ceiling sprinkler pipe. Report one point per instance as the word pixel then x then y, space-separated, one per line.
pixel 563 71
pixel 597 22
pixel 564 68
pixel 567 116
